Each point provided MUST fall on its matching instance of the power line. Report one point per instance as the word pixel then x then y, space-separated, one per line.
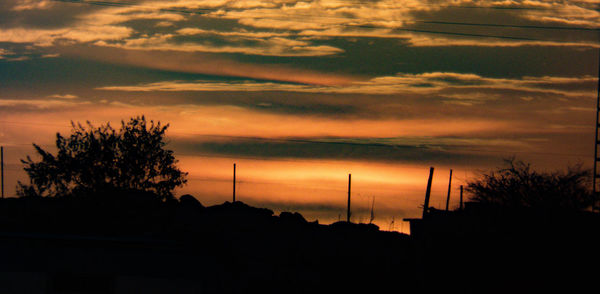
pixel 287 16
pixel 437 5
pixel 510 26
pixel 414 30
pixel 459 34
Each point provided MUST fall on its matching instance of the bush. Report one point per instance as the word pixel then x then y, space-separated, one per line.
pixel 519 186
pixel 103 160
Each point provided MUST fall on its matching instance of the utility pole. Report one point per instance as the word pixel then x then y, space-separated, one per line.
pixel 428 193
pixel 449 189
pixel 2 169
pixel 234 182
pixel 349 185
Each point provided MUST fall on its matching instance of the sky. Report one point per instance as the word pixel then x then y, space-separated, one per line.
pixel 301 93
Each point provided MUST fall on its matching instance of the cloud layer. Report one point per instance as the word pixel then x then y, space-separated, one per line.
pixel 297 28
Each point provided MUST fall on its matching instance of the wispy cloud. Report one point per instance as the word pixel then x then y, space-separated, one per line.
pixel 50 55
pixel 63 96
pixel 280 28
pixel 274 46
pixel 191 62
pixel 426 83
pixel 4 53
pixel 21 5
pixel 240 33
pixel 49 37
pixel 19 105
pixel 9 55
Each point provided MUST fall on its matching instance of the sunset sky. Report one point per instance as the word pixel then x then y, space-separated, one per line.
pixel 301 93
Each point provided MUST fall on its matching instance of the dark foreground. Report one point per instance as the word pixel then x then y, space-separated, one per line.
pixel 140 246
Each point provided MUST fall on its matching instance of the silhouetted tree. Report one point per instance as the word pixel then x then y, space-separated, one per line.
pixel 519 186
pixel 102 159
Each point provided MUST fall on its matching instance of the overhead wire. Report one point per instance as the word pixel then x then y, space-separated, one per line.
pixel 510 26
pixel 502 5
pixel 287 16
pixel 457 33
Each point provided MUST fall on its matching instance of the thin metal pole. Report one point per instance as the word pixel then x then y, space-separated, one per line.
pixel 461 197
pixel 349 185
pixel 372 210
pixel 595 175
pixel 449 189
pixel 428 193
pixel 2 168
pixel 234 182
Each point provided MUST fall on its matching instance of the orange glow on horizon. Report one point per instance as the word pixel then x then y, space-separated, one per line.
pixel 318 188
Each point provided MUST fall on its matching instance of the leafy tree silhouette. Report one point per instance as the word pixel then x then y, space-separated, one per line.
pixel 519 186
pixel 101 159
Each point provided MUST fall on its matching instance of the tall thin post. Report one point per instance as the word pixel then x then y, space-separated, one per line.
pixel 234 182
pixel 349 185
pixel 461 200
pixel 372 211
pixel 428 193
pixel 449 189
pixel 2 169
pixel 596 142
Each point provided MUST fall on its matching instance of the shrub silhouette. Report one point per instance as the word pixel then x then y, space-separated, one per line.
pixel 103 160
pixel 519 186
